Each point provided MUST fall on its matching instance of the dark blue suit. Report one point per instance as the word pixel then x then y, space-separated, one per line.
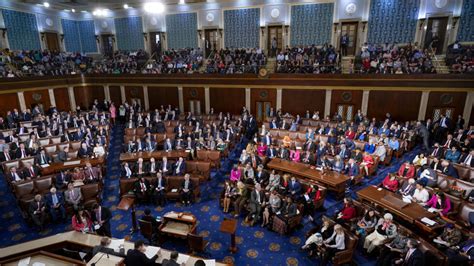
pixel 294 189
pixel 55 211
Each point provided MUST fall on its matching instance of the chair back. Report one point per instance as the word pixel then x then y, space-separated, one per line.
pixel 146 229
pixel 196 243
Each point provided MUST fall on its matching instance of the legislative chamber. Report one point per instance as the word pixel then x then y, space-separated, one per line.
pixel 259 132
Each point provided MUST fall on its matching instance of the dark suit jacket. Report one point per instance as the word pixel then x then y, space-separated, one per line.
pixel 137 258
pixel 83 153
pixel 26 172
pixel 3 158
pixel 34 206
pixel 18 153
pixel 49 199
pixel 416 259
pixel 38 159
pixel 181 170
pixel 190 185
pixel 105 215
pixel 169 262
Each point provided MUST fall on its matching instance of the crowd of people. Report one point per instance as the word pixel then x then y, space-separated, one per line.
pixel 236 61
pixel 460 58
pixel 392 58
pixel 309 59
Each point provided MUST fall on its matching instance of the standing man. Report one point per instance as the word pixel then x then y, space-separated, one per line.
pixel 344 44
pixel 101 219
pixel 274 46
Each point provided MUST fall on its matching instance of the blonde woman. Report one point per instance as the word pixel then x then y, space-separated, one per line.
pixel 229 192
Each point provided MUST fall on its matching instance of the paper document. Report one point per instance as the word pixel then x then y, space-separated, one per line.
pixel 96 226
pixel 439 241
pixel 24 262
pixel 182 259
pixel 38 264
pixel 151 251
pixel 210 262
pixel 428 221
pixel 115 244
pixel 72 163
pixel 407 199
pixel 45 165
pixel 432 210
pixel 174 190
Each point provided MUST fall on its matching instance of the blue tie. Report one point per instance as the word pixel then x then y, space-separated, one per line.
pixel 55 199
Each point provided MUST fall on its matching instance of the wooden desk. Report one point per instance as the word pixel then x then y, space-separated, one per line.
pixel 229 226
pixel 133 157
pixel 74 238
pixel 178 224
pixel 332 180
pixel 125 204
pixel 57 167
pixel 102 259
pixel 44 257
pixel 410 212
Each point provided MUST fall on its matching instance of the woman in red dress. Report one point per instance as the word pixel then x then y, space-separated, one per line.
pixel 367 162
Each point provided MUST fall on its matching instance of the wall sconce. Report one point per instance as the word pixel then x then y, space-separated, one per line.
pixel 145 35
pixel 422 22
pixel 4 32
pixel 364 24
pixel 455 21
pixel 97 38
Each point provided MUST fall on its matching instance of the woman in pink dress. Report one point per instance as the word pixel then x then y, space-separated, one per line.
pixel 235 174
pixel 295 155
pixel 261 149
pixel 113 112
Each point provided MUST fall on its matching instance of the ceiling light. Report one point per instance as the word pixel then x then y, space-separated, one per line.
pixel 46 4
pixel 182 2
pixel 73 10
pixel 100 12
pixel 154 7
pixel 84 11
pixel 125 6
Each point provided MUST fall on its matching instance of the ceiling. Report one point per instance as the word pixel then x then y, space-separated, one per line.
pixel 80 5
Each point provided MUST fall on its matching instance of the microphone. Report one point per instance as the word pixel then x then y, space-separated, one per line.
pixel 94 263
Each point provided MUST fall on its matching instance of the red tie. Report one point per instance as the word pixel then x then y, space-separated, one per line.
pixel 32 172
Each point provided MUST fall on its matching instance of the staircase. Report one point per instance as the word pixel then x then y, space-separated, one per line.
pixel 439 62
pixel 346 64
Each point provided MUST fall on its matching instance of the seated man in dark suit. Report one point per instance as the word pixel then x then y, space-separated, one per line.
pixel 179 168
pixel 186 190
pixel 42 158
pixel 288 210
pixel 142 190
pixel 62 155
pixel 159 193
pixel 101 218
pixel 137 255
pixel 130 147
pixel 55 204
pixel 22 152
pixel 448 169
pixel 413 257
pixel 14 176
pixel 104 248
pixel 294 188
pixel 84 151
pixel 31 171
pixel 172 261
pixel 6 155
pixel 37 211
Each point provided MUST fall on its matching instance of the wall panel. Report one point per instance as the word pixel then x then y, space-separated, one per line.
pixel 242 28
pixel 129 33
pixel 193 93
pixel 346 97
pixel 311 24
pixel 298 101
pixel 32 98
pixel 163 96
pixel 227 99
pixel 62 99
pixel 182 30
pixel 402 105
pixel 85 95
pixel 455 100
pixel 9 102
pixel 115 95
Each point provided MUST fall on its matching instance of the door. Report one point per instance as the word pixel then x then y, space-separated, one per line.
pixel 155 44
pixel 275 33
pixel 349 28
pixel 195 107
pixel 262 110
pixel 446 111
pixel 107 45
pixel 346 111
pixel 52 42
pixel 436 34
pixel 211 41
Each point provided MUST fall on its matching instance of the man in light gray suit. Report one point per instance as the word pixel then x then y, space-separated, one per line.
pixel 73 195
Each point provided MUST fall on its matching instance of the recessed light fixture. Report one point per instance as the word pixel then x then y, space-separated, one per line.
pixel 125 6
pixel 154 7
pixel 46 4
pixel 73 10
pixel 100 12
pixel 182 2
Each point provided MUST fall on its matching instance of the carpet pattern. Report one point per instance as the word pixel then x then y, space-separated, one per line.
pixel 256 245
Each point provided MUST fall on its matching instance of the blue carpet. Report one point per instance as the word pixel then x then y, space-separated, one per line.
pixel 256 245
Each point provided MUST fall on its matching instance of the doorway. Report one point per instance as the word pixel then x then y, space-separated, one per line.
pixel 262 110
pixel 350 28
pixel 211 41
pixel 275 33
pixel 107 44
pixel 436 30
pixel 155 44
pixel 195 107
pixel 52 42
pixel 346 111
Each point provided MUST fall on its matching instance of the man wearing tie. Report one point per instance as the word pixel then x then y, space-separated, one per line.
pixel 408 188
pixel 22 152
pixel 55 205
pixel 271 152
pixel 37 211
pixel 6 154
pixel 14 176
pixel 73 195
pixel 62 179
pixel 31 171
pixel 165 167
pixel 344 153
pixel 168 145
pixel 179 167
pixel 142 189
pixel 42 158
pixel 444 125
pixel 126 171
pixel 160 190
pixel 413 257
pixel 101 219
pixel 268 139
pixel 437 151
pixel 468 159
pixel 352 170
pixel 92 174
pixel 186 190
pixel 449 142
pixel 294 188
pixel 152 167
pixel 257 202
